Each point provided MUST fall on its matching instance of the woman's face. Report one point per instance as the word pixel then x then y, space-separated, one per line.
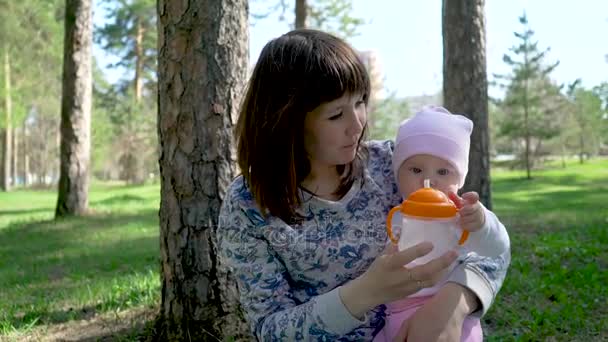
pixel 332 131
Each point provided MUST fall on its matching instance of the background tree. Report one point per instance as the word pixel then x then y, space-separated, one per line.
pixel 529 91
pixel 465 84
pixel 334 16
pixel 130 34
pixel 31 33
pixel 586 120
pixel 76 109
pixel 387 114
pixel 202 69
pixel 301 13
pixel 602 93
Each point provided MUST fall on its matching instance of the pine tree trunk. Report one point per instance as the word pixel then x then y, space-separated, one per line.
pixel 75 110
pixel 26 156
pixel 581 154
pixel 6 156
pixel 1 159
pixel 301 14
pixel 139 52
pixel 527 140
pixel 15 156
pixel 202 68
pixel 465 84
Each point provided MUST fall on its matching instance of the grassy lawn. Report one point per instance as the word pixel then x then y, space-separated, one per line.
pixel 556 285
pixel 53 272
pixel 57 272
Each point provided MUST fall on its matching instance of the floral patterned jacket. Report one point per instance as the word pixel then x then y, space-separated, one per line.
pixel 289 275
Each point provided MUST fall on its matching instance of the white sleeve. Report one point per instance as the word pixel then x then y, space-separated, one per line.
pixel 491 240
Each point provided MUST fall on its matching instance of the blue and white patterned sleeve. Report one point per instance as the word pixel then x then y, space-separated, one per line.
pixel 265 294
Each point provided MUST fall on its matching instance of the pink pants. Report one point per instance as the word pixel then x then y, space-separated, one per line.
pixel 399 311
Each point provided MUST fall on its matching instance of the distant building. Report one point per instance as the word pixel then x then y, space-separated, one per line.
pixel 371 59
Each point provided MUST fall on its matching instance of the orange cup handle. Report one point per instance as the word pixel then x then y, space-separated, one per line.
pixel 463 237
pixel 389 224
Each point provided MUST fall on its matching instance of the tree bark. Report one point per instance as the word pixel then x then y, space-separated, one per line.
pixel 465 84
pixel 6 156
pixel 202 68
pixel 75 110
pixel 301 14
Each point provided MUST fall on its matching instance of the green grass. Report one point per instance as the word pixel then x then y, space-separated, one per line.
pixel 52 272
pixel 556 285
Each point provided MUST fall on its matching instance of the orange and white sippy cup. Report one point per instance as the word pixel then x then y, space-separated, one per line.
pixel 428 215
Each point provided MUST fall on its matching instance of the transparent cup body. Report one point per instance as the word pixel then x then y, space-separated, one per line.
pixel 442 233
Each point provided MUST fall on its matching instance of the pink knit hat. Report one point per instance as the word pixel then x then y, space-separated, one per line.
pixel 437 132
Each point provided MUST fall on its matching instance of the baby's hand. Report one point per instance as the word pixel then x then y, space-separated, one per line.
pixel 472 216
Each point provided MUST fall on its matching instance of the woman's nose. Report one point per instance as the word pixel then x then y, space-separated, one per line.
pixel 356 125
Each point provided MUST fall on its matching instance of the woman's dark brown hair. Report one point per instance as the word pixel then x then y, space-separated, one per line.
pixel 294 74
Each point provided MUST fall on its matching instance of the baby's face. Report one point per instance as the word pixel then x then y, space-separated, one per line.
pixel 416 169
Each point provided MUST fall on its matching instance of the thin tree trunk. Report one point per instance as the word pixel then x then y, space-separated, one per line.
pixel 202 65
pixel 139 52
pixel 26 157
pixel 301 14
pixel 1 158
pixel 563 153
pixel 6 162
pixel 465 84
pixel 15 156
pixel 527 140
pixel 581 141
pixel 76 110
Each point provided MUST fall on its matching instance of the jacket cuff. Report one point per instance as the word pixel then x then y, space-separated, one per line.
pixel 330 309
pixel 472 280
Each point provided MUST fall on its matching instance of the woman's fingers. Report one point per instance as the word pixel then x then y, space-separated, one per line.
pixel 404 257
pixel 430 272
pixel 389 249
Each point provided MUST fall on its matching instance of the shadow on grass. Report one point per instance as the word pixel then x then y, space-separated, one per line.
pixel 47 258
pixel 140 331
pixel 554 289
pixel 25 211
pixel 119 200
pixel 556 280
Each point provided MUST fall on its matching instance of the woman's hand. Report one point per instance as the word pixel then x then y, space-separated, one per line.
pixel 441 318
pixel 387 279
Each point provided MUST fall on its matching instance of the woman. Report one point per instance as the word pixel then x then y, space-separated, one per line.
pixel 303 228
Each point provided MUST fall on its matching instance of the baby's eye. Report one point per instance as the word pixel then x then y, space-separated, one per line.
pixel 443 172
pixel 415 170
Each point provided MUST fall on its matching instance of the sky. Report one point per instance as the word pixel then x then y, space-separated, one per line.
pixel 406 36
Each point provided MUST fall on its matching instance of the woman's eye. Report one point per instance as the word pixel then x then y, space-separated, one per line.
pixel 415 170
pixel 360 103
pixel 335 116
pixel 443 172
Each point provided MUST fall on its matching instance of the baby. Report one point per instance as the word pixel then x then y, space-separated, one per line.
pixel 434 145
